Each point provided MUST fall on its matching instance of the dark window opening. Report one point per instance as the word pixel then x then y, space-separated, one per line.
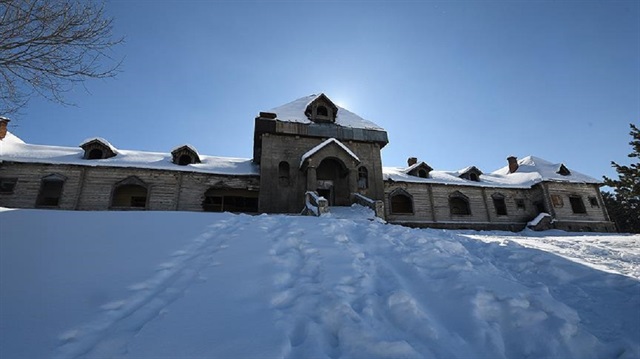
pixel 363 178
pixel 500 205
pixel 401 204
pixel 539 206
pixel 474 177
pixel 185 160
pixel 577 206
pixel 422 173
pixel 594 202
pixel 95 154
pixel 7 185
pixel 130 196
pixel 283 173
pixel 520 203
pixel 459 206
pixel 220 200
pixel 50 193
pixel 322 111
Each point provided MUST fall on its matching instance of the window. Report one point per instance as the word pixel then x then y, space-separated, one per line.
pixel 363 178
pixel 184 160
pixel 459 204
pixel 539 206
pixel 474 177
pixel 593 201
pixel 577 206
pixel 230 200
pixel 7 185
pixel 50 191
pixel 422 173
pixel 95 154
pixel 563 171
pixel 557 200
pixel 520 204
pixel 322 111
pixel 283 173
pixel 499 204
pixel 401 203
pixel 129 196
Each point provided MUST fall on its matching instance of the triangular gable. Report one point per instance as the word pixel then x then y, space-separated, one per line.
pixel 332 141
pixel 563 170
pixel 419 168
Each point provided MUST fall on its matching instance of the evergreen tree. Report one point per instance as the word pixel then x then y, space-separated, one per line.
pixel 624 204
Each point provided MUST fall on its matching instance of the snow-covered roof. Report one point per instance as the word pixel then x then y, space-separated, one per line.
pixel 295 112
pixel 186 145
pixel 531 170
pixel 313 151
pixel 13 148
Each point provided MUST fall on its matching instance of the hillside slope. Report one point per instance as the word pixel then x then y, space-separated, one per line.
pixel 168 285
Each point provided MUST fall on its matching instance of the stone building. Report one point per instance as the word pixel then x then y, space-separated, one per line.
pixel 309 152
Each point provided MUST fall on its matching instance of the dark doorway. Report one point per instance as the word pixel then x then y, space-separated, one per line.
pixel 333 171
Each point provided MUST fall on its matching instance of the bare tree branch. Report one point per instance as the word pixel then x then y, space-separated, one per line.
pixel 47 46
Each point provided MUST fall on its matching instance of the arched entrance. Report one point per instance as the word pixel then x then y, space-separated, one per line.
pixel 333 182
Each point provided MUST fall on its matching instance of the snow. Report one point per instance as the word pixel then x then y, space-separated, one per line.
pixel 14 149
pixel 342 285
pixel 325 143
pixel 534 222
pixel 532 170
pixel 295 112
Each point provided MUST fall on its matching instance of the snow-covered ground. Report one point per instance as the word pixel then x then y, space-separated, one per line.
pixel 196 285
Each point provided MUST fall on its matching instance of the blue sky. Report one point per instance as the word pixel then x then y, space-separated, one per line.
pixel 454 83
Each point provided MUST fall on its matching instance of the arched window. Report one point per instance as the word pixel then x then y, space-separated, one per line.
pixel 95 154
pixel 363 178
pixel 283 173
pixel 322 111
pixel 50 191
pixel 401 203
pixel 130 193
pixel 459 204
pixel 422 173
pixel 184 160
pixel 474 177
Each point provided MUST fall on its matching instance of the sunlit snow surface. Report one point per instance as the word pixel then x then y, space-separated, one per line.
pixel 180 285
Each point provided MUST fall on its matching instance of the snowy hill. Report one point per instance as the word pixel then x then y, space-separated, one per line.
pixel 178 285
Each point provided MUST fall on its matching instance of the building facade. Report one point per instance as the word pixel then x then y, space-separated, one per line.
pixel 307 147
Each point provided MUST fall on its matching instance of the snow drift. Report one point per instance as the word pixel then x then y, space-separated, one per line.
pixel 166 285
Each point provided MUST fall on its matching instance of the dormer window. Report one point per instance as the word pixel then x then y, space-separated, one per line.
pixel 322 110
pixel 185 155
pixel 97 149
pixel 419 169
pixel 95 154
pixel 471 173
pixel 563 170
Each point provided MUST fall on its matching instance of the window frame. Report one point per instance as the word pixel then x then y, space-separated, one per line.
pixel 458 196
pixel 577 204
pixel 401 193
pixel 8 185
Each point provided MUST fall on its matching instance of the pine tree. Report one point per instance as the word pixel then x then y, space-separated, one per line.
pixel 624 204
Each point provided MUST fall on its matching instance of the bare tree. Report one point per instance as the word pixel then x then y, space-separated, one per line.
pixel 48 46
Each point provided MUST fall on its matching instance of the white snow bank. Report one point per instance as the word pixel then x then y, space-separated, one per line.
pixel 167 284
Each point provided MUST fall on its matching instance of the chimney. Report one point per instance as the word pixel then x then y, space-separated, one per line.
pixel 412 161
pixel 3 127
pixel 513 163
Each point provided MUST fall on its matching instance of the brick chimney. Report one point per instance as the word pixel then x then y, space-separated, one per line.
pixel 513 163
pixel 412 161
pixel 3 127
